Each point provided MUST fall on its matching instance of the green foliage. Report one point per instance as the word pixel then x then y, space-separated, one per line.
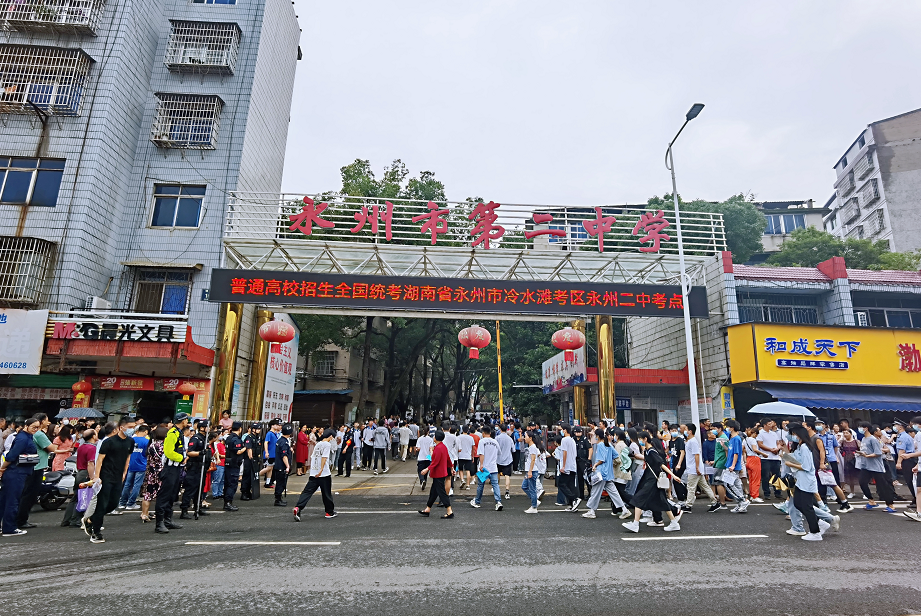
pixel 319 330
pixel 809 247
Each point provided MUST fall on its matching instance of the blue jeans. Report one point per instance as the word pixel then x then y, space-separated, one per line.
pixel 217 482
pixel 133 482
pixel 494 480
pixel 530 487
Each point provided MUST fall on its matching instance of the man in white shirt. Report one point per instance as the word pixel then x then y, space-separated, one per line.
pixel 424 445
pixel 504 462
pixel 566 481
pixel 451 443
pixel 367 445
pixel 465 464
pixel 695 476
pixel 405 433
pixel 320 478
pixel 488 452
pixel 769 441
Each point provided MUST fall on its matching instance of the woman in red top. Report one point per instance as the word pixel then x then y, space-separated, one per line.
pixel 440 472
pixel 302 450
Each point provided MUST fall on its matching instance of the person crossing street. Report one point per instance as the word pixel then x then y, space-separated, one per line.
pixel 320 478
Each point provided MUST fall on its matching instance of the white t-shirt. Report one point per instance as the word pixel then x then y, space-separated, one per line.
pixel 770 439
pixel 425 444
pixel 569 447
pixel 451 444
pixel 750 444
pixel 506 445
pixel 319 452
pixel 340 438
pixel 404 435
pixel 540 465
pixel 692 447
pixel 489 449
pixel 465 447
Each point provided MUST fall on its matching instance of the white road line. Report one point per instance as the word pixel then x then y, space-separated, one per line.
pixel 263 542
pixel 669 537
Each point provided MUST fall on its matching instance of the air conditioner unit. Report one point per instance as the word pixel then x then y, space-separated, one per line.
pixel 97 303
pixel 861 318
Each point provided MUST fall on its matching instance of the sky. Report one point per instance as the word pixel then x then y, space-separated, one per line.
pixel 536 102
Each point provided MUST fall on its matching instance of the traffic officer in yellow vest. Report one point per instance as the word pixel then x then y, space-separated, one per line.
pixel 174 457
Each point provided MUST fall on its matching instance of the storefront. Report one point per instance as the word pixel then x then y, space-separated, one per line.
pixel 853 372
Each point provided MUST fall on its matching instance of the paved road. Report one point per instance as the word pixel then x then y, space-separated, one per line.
pixel 387 560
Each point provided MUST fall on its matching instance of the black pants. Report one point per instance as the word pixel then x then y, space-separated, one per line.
pixel 231 479
pixel 281 483
pixel 516 460
pixel 192 485
pixel 438 492
pixel 246 478
pixel 29 496
pixel 325 485
pixel 72 517
pixel 622 490
pixel 883 485
pixel 169 483
pixel 395 449
pixel 380 454
pixel 681 490
pixel 366 452
pixel 769 468
pixel 106 501
pixel 804 501
pixel 566 484
pixel 581 466
pixel 908 477
pixel 345 459
pixel 421 465
pixel 657 515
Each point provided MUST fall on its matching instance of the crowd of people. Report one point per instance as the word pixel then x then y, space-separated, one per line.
pixel 647 473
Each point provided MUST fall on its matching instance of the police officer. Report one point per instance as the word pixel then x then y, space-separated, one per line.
pixel 250 462
pixel 583 446
pixel 174 454
pixel 283 459
pixel 235 451
pixel 197 452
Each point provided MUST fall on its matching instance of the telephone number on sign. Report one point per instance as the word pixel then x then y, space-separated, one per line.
pixel 15 365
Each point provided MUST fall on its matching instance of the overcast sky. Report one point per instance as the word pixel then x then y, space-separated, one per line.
pixel 548 102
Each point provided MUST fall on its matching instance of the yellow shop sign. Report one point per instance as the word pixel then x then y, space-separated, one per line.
pixel 789 353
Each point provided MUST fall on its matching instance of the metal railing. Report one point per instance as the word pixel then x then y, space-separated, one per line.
pixel 64 16
pixel 202 47
pixel 336 218
pixel 869 192
pixel 25 266
pixel 846 186
pixel 850 210
pixel 865 166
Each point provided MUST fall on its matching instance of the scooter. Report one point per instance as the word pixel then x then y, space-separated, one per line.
pixel 57 486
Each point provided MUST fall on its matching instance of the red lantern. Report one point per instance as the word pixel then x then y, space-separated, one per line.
pixel 82 387
pixel 276 331
pixel 568 340
pixel 474 338
pixel 187 389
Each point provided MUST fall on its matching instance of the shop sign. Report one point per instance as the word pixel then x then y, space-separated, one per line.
pixel 559 374
pixel 21 340
pixel 624 404
pixel 817 354
pixel 452 294
pixel 280 374
pixel 34 393
pixel 134 331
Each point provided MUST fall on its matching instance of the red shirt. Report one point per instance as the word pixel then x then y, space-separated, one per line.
pixel 441 462
pixel 85 453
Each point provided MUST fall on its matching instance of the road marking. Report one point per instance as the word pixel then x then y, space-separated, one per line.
pixel 668 537
pixel 263 542
pixel 388 485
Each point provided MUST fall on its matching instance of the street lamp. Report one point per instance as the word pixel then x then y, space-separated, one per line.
pixel 685 281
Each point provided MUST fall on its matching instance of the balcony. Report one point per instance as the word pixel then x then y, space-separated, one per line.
pixel 25 266
pixel 850 210
pixel 202 47
pixel 856 233
pixel 869 192
pixel 877 222
pixel 846 186
pixel 50 78
pixel 53 16
pixel 865 166
pixel 186 121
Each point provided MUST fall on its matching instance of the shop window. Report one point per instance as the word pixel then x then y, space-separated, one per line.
pixel 177 206
pixel 30 181
pixel 162 291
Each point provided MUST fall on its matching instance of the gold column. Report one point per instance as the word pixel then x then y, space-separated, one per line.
pixel 225 358
pixel 578 392
pixel 606 401
pixel 257 368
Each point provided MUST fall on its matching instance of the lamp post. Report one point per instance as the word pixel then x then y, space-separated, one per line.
pixel 685 282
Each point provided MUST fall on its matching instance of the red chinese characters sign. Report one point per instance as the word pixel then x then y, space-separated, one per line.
pixel 452 294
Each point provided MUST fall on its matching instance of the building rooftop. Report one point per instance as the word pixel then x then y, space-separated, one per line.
pixel 898 277
pixel 796 274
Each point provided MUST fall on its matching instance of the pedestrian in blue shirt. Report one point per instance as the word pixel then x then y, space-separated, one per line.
pixel 137 467
pixel 15 468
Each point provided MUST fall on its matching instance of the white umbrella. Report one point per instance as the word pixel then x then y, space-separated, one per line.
pixel 781 408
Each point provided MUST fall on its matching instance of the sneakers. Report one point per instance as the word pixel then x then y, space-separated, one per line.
pixel 589 514
pixel 912 515
pixel 796 533
pixel 16 533
pixel 686 509
pixel 507 495
pixel 375 471
pixel 623 515
pixel 845 508
pixel 713 507
pixel 86 526
pixel 498 506
pixel 823 526
pixel 451 493
pixel 330 516
pixel 633 527
pixel 575 504
pixel 463 485
pixel 116 512
pixel 742 507
pixel 97 538
pixel 811 537
pixel 672 527
pixel 757 499
pixel 836 523
pixel 654 523
pixel 297 514
pixel 474 504
pixel 133 508
pixel 531 510
pixel 387 469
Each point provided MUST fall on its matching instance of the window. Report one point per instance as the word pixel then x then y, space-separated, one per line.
pixel 162 291
pixel 843 162
pixel 324 363
pixel 202 47
pixel 778 309
pixel 176 205
pixel 214 1
pixel 832 223
pixel 56 16
pixel 778 224
pixel 555 238
pixel 577 232
pixel 30 181
pixel 51 78
pixel 186 121
pixel 861 141
pixel 880 221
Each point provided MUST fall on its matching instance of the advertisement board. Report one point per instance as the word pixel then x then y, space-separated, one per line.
pixel 559 374
pixel 280 373
pixel 22 335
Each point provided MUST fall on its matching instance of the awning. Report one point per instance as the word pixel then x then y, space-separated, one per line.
pixel 847 397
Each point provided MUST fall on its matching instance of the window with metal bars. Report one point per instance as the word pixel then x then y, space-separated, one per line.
pixel 783 309
pixel 202 47
pixel 54 16
pixel 162 291
pixel 186 121
pixel 324 363
pixel 214 1
pixel 50 78
pixel 25 266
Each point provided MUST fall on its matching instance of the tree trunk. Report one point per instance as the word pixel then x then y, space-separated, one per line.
pixel 365 365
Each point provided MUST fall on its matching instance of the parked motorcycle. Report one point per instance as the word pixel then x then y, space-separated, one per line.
pixel 57 486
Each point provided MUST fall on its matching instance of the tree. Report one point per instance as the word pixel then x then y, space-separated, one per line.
pixel 808 247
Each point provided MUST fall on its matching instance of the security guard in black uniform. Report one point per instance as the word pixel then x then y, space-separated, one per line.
pixel 235 451
pixel 174 457
pixel 284 456
pixel 193 483
pixel 252 442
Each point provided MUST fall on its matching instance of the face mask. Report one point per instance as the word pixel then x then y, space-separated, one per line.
pixel 674 435
pixel 860 430
pixel 794 438
pixel 917 427
pixel 641 443
pixel 129 432
pixel 685 434
pixel 715 432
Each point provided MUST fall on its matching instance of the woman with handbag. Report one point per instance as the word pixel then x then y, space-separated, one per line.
pixel 651 492
pixel 17 465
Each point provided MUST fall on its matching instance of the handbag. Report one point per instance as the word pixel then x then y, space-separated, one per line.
pixel 28 458
pixel 84 496
pixel 662 481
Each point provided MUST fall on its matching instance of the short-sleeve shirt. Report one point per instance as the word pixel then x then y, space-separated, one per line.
pixel 904 443
pixel 830 442
pixel 489 449
pixel 85 453
pixel 41 441
pixel 425 444
pixel 569 446
pixel 805 479
pixel 319 452
pixel 870 445
pixel 116 450
pixel 719 452
pixel 605 455
pixel 506 446
pixel 138 462
pixel 735 449
pixel 692 448
pixel 465 447
pixel 451 444
pixel 769 439
pixel 270 439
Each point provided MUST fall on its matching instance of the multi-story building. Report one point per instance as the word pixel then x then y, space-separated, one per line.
pixel 124 128
pixel 878 183
pixel 783 218
pixel 329 389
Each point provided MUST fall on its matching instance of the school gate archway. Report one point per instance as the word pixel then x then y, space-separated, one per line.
pixel 446 259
